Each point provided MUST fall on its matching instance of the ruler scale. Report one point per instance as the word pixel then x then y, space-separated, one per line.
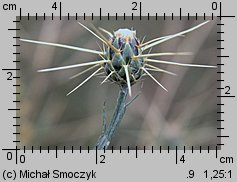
pixel 61 158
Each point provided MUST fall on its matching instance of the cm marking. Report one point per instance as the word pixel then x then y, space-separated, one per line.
pixel 9 7
pixel 227 160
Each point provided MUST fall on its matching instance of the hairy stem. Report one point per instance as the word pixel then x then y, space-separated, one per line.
pixel 106 136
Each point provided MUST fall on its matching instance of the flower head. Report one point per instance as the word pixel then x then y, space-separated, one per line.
pixel 124 61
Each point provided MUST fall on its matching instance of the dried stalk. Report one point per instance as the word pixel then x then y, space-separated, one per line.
pixel 108 132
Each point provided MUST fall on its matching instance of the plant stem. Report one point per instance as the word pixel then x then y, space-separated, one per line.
pixel 108 132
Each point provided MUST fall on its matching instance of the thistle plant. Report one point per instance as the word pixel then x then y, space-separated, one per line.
pixel 124 61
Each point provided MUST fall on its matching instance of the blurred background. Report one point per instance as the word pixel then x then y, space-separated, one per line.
pixel 186 115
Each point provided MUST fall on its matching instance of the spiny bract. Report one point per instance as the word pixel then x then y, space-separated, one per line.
pixel 123 60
